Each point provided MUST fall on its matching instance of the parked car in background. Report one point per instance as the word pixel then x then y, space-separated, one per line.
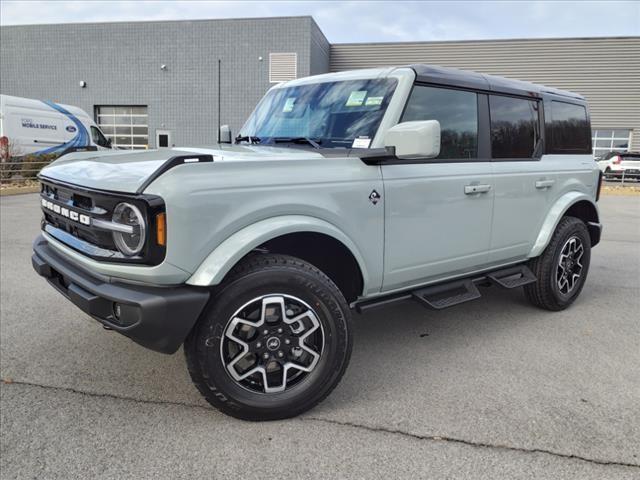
pixel 620 164
pixel 41 127
pixel 343 191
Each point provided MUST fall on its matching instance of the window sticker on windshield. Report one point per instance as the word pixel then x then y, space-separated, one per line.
pixel 288 105
pixel 371 101
pixel 356 98
pixel 362 142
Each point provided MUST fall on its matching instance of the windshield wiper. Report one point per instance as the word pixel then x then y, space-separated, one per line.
pixel 247 138
pixel 314 143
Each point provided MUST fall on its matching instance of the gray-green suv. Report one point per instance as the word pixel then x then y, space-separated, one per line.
pixel 342 191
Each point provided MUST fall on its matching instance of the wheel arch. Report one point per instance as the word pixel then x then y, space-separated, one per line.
pixel 572 204
pixel 326 253
pixel 294 235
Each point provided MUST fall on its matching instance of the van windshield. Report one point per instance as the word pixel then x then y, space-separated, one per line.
pixel 332 114
pixel 98 138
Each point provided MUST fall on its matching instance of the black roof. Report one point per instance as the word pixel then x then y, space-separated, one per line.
pixel 480 81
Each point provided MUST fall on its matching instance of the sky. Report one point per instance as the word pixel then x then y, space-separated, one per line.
pixel 364 21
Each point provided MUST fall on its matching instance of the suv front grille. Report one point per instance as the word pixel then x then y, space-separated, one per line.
pixel 69 213
pixel 82 204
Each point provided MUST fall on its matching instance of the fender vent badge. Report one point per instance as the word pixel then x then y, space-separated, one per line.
pixel 374 197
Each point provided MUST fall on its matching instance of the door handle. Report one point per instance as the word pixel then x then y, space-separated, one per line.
pixel 545 183
pixel 471 189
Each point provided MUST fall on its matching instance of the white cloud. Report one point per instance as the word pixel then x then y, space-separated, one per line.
pixel 363 21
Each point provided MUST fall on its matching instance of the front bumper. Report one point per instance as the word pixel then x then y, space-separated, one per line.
pixel 159 318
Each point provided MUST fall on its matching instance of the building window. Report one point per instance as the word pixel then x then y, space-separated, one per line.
pixel 457 112
pixel 515 127
pixel 126 126
pixel 605 141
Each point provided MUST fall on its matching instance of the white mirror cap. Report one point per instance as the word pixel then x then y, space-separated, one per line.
pixel 225 134
pixel 419 139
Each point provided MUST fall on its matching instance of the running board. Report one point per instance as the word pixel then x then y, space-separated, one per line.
pixel 512 277
pixel 452 293
pixel 448 294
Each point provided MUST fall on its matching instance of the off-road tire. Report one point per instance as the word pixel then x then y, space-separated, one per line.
pixel 545 292
pixel 267 274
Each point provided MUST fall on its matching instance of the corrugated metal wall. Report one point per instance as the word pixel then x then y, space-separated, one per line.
pixel 605 70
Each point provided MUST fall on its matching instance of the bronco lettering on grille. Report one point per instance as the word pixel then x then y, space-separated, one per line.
pixel 65 212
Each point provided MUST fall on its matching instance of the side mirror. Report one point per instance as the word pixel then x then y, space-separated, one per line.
pixel 224 136
pixel 420 139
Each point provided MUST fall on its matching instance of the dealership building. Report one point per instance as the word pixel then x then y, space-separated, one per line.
pixel 151 84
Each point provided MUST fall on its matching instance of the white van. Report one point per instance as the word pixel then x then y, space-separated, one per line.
pixel 39 126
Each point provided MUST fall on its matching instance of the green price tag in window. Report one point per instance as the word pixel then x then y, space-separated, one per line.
pixel 288 105
pixel 356 98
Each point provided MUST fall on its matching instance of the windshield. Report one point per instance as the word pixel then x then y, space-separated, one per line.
pixel 98 137
pixel 333 114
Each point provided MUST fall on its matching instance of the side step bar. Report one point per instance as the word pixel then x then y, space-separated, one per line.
pixel 512 277
pixel 447 294
pixel 452 293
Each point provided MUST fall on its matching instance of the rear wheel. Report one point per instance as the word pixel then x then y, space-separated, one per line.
pixel 274 342
pixel 562 268
pixel 607 174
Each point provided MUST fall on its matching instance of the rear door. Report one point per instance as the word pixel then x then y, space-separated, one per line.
pixel 524 183
pixel 435 225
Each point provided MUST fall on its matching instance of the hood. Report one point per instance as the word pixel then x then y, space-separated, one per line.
pixel 127 171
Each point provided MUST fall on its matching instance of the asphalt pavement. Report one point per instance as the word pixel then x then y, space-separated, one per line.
pixel 490 389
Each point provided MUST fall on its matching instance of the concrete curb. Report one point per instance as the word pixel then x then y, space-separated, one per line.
pixel 19 190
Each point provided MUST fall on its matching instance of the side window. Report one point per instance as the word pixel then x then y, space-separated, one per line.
pixel 98 138
pixel 515 127
pixel 457 112
pixel 570 129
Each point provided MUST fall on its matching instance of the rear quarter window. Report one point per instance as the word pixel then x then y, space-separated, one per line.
pixel 570 130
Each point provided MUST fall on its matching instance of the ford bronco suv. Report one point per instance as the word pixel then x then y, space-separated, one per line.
pixel 342 192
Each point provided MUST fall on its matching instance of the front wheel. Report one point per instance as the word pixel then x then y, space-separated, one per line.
pixel 274 342
pixel 562 268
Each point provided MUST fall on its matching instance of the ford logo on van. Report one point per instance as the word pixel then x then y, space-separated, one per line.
pixel 71 128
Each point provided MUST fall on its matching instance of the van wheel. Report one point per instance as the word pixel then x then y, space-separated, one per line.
pixel 562 268
pixel 274 341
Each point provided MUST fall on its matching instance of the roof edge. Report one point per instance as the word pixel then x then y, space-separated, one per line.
pixel 491 83
pixel 493 40
pixel 183 20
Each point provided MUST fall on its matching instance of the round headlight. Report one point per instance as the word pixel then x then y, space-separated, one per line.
pixel 129 243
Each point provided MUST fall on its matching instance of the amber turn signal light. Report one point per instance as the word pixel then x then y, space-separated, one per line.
pixel 161 229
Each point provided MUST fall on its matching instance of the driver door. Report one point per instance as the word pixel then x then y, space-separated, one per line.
pixel 438 211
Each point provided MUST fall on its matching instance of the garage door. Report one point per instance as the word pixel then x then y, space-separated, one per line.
pixel 126 126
